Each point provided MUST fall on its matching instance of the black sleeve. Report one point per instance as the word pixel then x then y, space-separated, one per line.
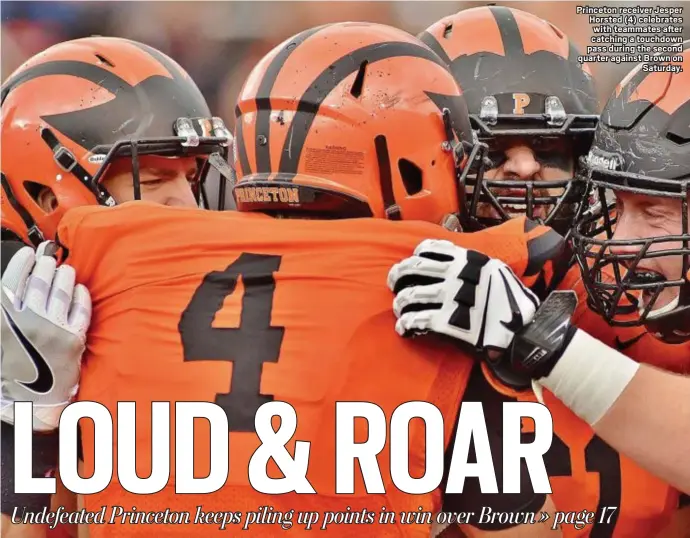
pixel 44 457
pixel 45 445
pixel 7 250
pixel 684 500
pixel 472 499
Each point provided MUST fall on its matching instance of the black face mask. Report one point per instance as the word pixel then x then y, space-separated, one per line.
pixel 553 202
pixel 615 281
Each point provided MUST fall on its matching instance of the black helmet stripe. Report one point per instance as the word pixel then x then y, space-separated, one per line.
pixel 161 58
pixel 642 74
pixel 430 41
pixel 91 126
pixel 328 80
pixel 240 148
pixel 93 73
pixel 263 99
pixel 509 29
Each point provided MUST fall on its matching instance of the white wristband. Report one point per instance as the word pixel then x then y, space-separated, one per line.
pixel 589 377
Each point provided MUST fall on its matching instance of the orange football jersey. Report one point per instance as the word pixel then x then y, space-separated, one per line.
pixel 585 472
pixel 239 309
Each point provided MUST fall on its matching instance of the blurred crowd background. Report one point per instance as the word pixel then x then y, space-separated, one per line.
pixel 218 43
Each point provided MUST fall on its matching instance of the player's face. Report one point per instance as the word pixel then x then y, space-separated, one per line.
pixel 533 159
pixel 642 217
pixel 164 181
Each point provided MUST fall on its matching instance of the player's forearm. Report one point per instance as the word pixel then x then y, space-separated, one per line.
pixel 623 401
pixel 633 424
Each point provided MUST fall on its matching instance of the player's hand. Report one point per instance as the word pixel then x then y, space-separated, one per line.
pixel 460 293
pixel 45 316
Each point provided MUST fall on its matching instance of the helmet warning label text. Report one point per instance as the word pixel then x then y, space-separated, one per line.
pixel 334 160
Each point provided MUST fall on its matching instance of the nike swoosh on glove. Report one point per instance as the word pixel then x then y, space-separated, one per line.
pixel 45 316
pixel 460 293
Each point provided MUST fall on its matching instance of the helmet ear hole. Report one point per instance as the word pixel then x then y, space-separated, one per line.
pixel 43 195
pixel 411 176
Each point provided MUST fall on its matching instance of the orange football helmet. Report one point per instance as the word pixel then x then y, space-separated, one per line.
pixel 351 120
pixel 521 79
pixel 69 111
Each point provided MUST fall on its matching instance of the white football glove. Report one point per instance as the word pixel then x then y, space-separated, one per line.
pixel 45 317
pixel 449 290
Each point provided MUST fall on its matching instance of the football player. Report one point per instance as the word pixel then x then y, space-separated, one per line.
pixel 535 107
pixel 101 121
pixel 530 101
pixel 91 121
pixel 239 308
pixel 640 159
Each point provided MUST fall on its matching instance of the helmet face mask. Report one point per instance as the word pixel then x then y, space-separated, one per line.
pixel 633 241
pixel 624 277
pixel 490 50
pixel 190 137
pixel 552 198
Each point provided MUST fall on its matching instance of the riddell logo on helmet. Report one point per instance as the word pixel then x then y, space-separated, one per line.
pixel 267 194
pixel 599 161
pixel 97 159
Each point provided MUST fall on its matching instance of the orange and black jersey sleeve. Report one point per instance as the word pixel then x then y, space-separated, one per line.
pixel 479 389
pixel 8 249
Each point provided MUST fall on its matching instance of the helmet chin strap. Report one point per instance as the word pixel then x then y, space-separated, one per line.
pixel 228 176
pixel 65 160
